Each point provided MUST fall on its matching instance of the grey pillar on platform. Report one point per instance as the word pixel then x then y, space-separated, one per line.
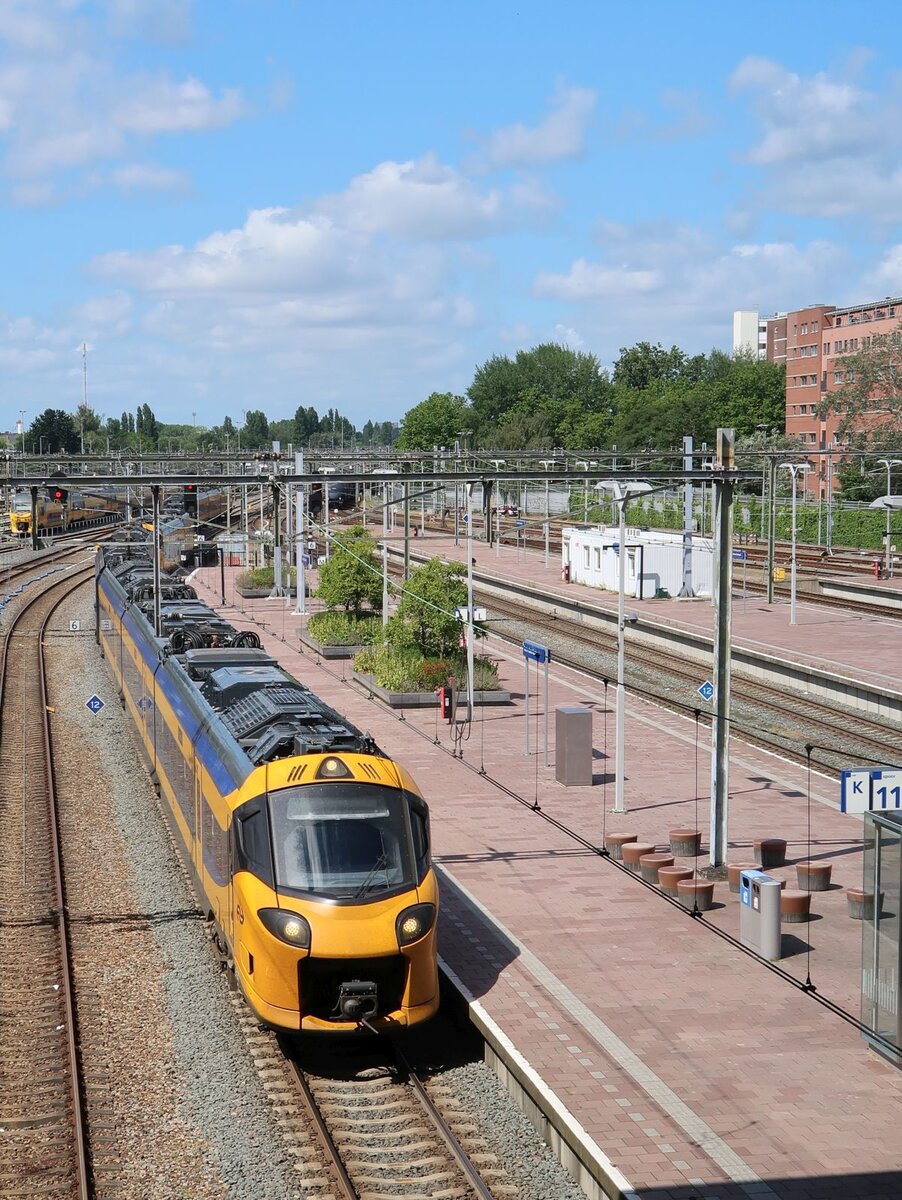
pixel 686 588
pixel 723 588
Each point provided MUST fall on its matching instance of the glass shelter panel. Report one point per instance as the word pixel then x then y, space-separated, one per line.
pixel 881 942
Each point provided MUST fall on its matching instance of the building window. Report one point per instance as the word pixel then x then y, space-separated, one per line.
pixel 837 376
pixel 804 351
pixel 805 327
pixel 812 437
pixel 850 376
pixel 814 326
pixel 839 320
pixel 598 558
pixel 826 348
pixel 892 312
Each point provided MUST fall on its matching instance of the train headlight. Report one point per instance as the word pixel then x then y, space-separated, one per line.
pixel 287 926
pixel 414 923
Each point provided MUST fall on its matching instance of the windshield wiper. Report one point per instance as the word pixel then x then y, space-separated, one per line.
pixel 380 864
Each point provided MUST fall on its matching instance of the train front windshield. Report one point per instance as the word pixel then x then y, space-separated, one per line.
pixel 340 840
pixel 21 502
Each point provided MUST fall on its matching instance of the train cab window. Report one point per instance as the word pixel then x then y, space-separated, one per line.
pixel 419 827
pixel 252 847
pixel 346 841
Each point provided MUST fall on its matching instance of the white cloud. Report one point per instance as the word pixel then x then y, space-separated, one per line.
pixel 140 176
pixel 164 106
pixel 683 283
pixel 66 103
pixel 560 135
pixel 827 145
pixel 424 199
pixel 164 21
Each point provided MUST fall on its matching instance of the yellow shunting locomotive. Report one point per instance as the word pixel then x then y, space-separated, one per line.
pixel 309 848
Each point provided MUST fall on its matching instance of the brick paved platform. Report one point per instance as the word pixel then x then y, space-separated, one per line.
pixel 700 1072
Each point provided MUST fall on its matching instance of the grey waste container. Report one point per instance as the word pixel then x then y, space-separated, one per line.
pixel 759 914
pixel 573 744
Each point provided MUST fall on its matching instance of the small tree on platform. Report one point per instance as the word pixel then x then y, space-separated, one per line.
pixel 352 577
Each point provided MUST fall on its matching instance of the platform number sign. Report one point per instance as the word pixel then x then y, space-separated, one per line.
pixel 706 691
pixel 862 790
pixel 95 704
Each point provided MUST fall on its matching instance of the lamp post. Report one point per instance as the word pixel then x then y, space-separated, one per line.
pixel 889 463
pixel 22 423
pixel 622 493
pixel 794 469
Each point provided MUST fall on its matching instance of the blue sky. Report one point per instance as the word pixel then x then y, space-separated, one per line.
pixel 261 204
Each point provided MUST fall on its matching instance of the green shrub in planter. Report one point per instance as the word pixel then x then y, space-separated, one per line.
pixel 342 629
pixel 406 670
pixel 262 577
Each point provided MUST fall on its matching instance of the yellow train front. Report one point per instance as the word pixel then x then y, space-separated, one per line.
pixel 309 848
pixel 78 510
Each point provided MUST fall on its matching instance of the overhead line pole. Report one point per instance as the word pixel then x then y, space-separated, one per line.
pixel 723 600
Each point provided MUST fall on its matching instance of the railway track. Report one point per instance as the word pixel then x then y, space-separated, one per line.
pixel 385 1134
pixel 763 715
pixel 42 1097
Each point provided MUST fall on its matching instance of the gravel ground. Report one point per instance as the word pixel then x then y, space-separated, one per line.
pixel 189 1105
pixel 532 1168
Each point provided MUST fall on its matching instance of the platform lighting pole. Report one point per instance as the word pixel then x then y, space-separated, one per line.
pixel 384 583
pixel 829 537
pixel 794 469
pixel 686 586
pixel 300 548
pixel 722 505
pixel 889 463
pixel 470 689
pixel 772 524
pixel 622 492
pixel 157 612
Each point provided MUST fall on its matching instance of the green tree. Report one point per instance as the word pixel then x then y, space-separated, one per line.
pixel 351 577
pixel 751 393
pixel 256 429
pixel 435 421
pixel 425 617
pixel 641 365
pixel 539 391
pixel 54 432
pixel 871 395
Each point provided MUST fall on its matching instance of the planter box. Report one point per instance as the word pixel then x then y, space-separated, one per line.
pixel 263 593
pixel 325 651
pixel 421 699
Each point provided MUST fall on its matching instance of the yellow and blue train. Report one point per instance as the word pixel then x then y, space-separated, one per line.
pixel 309 848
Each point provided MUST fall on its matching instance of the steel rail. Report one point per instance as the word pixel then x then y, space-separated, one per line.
pixel 442 1128
pixel 322 1130
pixel 81 1153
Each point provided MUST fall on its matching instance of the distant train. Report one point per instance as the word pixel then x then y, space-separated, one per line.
pixel 309 848
pixel 342 496
pixel 182 515
pixel 79 511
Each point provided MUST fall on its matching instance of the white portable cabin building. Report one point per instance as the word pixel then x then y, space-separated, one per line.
pixel 654 560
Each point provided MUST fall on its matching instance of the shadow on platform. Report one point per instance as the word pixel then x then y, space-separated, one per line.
pixel 885 1185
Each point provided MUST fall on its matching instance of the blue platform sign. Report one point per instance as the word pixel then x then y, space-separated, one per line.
pixel 706 691
pixel 739 556
pixel 536 652
pixel 145 703
pixel 95 704
pixel 861 790
pixel 519 524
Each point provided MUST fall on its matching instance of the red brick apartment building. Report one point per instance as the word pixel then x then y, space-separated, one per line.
pixel 816 341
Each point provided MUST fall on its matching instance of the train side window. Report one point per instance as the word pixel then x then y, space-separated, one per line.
pixel 419 824
pixel 252 846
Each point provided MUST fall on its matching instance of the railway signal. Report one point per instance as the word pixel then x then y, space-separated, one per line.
pixel 60 495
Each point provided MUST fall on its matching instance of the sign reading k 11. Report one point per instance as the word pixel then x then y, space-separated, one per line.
pixel 861 790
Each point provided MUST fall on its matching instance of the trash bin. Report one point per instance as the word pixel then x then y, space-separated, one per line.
pixel 759 914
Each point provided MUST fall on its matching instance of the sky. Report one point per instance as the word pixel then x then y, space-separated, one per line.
pixel 261 204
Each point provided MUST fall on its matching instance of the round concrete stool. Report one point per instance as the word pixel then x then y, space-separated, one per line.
pixel 770 852
pixel 633 851
pixel 669 877
pixel 861 904
pixel 814 877
pixel 649 865
pixel 614 843
pixel 733 870
pixel 696 894
pixel 794 905
pixel 686 843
